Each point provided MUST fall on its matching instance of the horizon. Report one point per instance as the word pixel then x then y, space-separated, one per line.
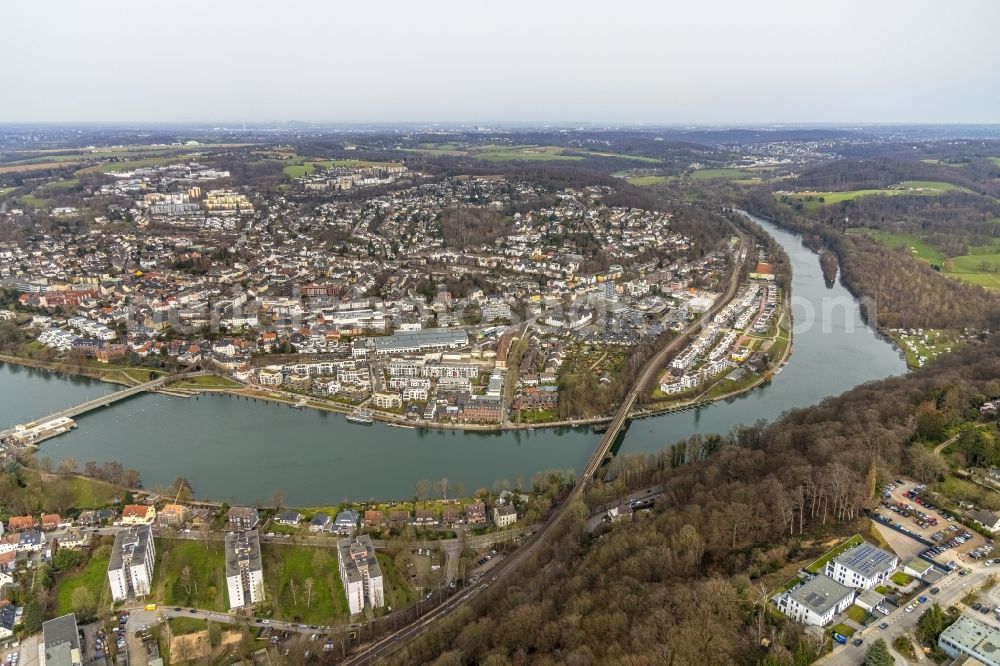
pixel 719 63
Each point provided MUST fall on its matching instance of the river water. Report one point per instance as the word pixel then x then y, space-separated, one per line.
pixel 237 450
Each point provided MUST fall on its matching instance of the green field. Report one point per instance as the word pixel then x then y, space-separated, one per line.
pixel 302 167
pixel 981 266
pixel 981 269
pixel 527 153
pixel 206 561
pixel 180 626
pixel 857 613
pixel 92 576
pixel 33 201
pixel 714 174
pixel 127 165
pixel 813 200
pixel 287 570
pixel 913 244
pixel 67 184
pixel 397 593
pixel 623 156
pixel 4 191
pixel 647 181
pixel 207 381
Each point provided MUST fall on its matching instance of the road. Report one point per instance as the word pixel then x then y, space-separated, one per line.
pixel 533 545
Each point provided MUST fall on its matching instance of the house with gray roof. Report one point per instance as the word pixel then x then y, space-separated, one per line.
pixel 816 602
pixel 60 644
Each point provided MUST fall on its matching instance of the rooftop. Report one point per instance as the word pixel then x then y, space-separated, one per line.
pixel 130 546
pixel 980 640
pixel 820 594
pixel 242 550
pixel 866 559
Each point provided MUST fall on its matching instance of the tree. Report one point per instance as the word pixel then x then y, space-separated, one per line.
pixel 878 654
pixel 84 602
pixel 309 590
pixel 185 580
pixel 444 487
pixel 214 634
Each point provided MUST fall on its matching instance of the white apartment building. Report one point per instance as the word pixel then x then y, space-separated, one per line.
pixel 863 566
pixel 815 602
pixel 360 573
pixel 244 572
pixel 130 571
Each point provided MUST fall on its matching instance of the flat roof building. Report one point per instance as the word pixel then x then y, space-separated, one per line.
pixel 244 571
pixel 60 644
pixel 816 602
pixel 130 570
pixel 971 638
pixel 863 566
pixel 360 573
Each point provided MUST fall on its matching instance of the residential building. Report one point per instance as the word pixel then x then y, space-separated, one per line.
pixel 288 517
pixel 360 573
pixel 347 522
pixel 60 644
pixel 373 518
pixel 172 514
pixel 244 572
pixel 816 602
pixel 130 571
pixel 320 523
pixel 138 514
pixel 243 518
pixel 8 613
pixel 475 513
pixel 504 515
pixel 863 566
pixel 971 638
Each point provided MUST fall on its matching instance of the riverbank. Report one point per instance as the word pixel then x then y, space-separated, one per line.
pixel 112 375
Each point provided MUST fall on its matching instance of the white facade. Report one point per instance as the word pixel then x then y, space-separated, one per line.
pixel 815 602
pixel 360 573
pixel 864 566
pixel 244 572
pixel 130 571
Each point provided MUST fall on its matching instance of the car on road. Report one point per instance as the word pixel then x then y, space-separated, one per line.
pixel 922 599
pixel 858 641
pixel 193 611
pixel 884 625
pixel 934 590
pixel 178 608
pixel 909 609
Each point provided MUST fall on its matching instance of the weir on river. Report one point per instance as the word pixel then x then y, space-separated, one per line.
pixel 235 450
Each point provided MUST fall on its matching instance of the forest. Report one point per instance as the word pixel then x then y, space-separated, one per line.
pixel 906 292
pixel 687 583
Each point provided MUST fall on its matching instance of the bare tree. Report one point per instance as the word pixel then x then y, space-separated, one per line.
pixel 309 590
pixel 444 487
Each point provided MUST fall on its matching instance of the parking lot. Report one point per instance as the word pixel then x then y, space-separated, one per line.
pixel 904 505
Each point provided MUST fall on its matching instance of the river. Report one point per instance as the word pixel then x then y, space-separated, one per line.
pixel 236 450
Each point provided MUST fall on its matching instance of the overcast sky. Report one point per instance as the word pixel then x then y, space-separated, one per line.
pixel 627 61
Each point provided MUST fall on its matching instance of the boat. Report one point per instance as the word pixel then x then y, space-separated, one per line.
pixel 362 416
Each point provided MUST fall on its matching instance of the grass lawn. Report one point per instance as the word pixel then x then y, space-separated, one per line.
pixel 713 174
pixel 637 158
pixel 287 568
pixel 647 181
pixel 93 576
pixel 186 625
pixel 843 630
pixel 817 566
pixel 207 563
pixel 66 184
pixel 916 246
pixel 127 165
pixel 981 269
pixel 4 191
pixel 527 153
pixel 538 415
pixel 33 201
pixel 141 375
pixel 397 593
pixel 857 613
pixel 901 579
pixel 207 381
pixel 813 200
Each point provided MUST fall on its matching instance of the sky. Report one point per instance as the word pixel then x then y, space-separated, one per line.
pixel 621 62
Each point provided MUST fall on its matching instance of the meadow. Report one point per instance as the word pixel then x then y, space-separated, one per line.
pixel 813 200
